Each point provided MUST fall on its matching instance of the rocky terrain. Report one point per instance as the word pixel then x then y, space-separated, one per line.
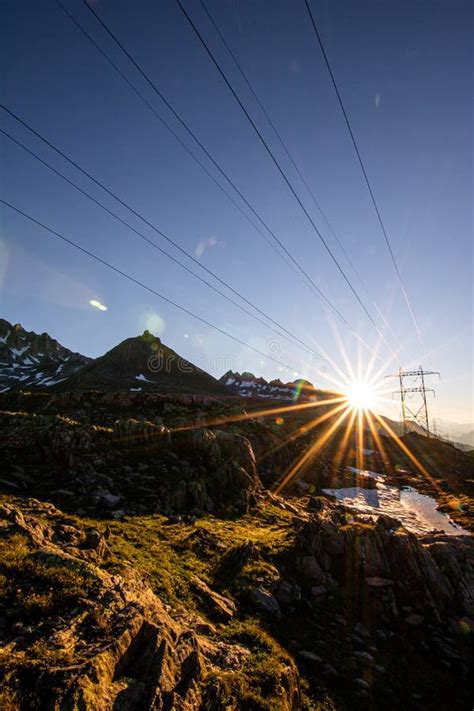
pixel 33 361
pixel 146 563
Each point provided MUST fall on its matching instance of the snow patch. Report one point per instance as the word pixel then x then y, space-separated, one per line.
pixel 18 351
pixel 54 382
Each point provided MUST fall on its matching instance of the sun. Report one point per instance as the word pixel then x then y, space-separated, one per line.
pixel 361 396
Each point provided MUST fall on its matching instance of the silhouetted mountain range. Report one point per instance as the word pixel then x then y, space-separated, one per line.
pixel 144 364
pixel 30 361
pixel 248 385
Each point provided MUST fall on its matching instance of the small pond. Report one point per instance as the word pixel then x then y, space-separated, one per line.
pixel 417 512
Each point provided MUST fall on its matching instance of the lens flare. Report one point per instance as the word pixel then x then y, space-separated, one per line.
pixel 97 305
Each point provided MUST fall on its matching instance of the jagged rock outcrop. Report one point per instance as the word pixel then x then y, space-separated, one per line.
pixel 183 471
pixel 115 646
pixel 30 361
pixel 383 562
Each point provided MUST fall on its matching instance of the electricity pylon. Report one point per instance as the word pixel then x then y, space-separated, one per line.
pixel 419 413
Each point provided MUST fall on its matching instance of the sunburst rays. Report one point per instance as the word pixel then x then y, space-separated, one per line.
pixel 312 451
pixel 345 418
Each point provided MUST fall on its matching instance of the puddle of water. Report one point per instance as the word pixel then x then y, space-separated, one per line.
pixel 417 512
pixel 425 507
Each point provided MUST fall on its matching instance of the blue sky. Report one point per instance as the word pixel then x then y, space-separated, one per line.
pixel 405 73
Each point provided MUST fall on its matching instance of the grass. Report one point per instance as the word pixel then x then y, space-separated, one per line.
pixel 264 677
pixel 167 556
pixel 258 685
pixel 9 700
pixel 36 584
pixel 150 545
pixel 36 587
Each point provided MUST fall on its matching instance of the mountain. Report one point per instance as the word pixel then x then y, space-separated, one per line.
pixel 248 385
pixel 33 361
pixel 467 439
pixel 455 430
pixel 143 363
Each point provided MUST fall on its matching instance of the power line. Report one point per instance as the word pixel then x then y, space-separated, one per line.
pixel 290 337
pixel 282 173
pixel 203 148
pixel 294 163
pixel 150 106
pixel 277 134
pixel 152 226
pixel 183 123
pixel 141 284
pixel 371 192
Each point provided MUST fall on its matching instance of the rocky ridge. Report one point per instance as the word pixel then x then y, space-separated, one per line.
pixel 31 361
pixel 34 361
pixel 248 385
pixel 312 605
pixel 184 471
pixel 144 364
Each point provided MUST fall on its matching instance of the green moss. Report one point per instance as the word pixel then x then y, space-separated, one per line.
pixel 150 545
pixel 257 684
pixel 37 584
pixel 8 697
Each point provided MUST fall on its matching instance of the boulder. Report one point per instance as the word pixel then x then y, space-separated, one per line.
pixel 219 606
pixel 287 593
pixel 435 578
pixel 265 602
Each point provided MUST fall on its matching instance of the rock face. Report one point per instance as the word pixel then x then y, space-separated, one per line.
pixel 397 570
pixel 34 361
pixel 265 602
pixel 144 364
pixel 185 471
pixel 137 658
pixel 248 385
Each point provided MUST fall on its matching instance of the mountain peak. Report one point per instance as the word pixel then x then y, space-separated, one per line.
pixel 149 337
pixel 144 363
pixel 29 360
pixel 248 385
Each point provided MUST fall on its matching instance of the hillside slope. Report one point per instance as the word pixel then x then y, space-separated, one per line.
pixel 31 361
pixel 143 364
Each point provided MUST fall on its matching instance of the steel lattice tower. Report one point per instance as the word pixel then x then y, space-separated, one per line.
pixel 419 412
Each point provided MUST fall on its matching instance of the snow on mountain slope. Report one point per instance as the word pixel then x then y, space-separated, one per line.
pixel 144 363
pixel 33 361
pixel 248 385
